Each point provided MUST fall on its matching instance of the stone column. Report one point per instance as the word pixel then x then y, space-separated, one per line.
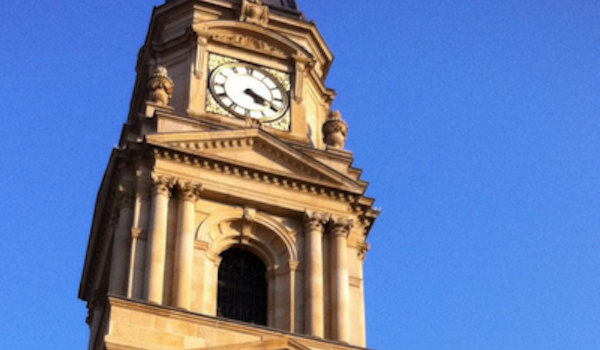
pixel 137 270
pixel 184 249
pixel 120 249
pixel 293 267
pixel 157 240
pixel 313 275
pixel 340 290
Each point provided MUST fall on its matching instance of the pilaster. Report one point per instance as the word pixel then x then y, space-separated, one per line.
pixel 121 239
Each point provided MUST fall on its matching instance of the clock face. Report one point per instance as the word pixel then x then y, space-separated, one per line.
pixel 248 91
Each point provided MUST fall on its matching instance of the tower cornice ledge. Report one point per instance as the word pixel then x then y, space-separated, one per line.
pixel 266 336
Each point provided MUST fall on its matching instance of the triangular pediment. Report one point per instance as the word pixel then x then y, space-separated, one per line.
pixel 256 149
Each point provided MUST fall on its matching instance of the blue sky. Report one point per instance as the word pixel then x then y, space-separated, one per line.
pixel 477 124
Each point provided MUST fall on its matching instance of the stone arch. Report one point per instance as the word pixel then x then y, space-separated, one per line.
pixel 259 233
pixel 282 44
pixel 265 237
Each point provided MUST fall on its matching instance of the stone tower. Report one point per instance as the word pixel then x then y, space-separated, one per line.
pixel 229 216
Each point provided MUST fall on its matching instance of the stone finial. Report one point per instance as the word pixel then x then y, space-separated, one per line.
pixel 160 87
pixel 253 11
pixel 335 130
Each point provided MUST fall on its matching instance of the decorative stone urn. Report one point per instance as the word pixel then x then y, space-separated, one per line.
pixel 160 87
pixel 335 130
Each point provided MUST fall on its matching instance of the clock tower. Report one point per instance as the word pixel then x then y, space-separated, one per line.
pixel 230 215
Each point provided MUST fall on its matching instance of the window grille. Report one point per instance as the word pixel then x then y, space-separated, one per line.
pixel 242 288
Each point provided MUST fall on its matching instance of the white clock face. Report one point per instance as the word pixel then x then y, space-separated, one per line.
pixel 248 91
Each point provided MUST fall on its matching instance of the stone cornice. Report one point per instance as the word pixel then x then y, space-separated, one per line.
pixel 226 324
pixel 207 143
pixel 227 168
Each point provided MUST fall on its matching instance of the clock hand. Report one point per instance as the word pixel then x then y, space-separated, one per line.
pixel 260 100
pixel 256 97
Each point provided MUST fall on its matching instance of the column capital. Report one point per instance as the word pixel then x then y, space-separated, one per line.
pixel 314 220
pixel 341 226
pixel 188 191
pixel 162 185
pixel 137 232
pixel 363 248
pixel 125 195
pixel 271 272
pixel 143 180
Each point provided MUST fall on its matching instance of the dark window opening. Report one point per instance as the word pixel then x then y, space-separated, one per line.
pixel 242 293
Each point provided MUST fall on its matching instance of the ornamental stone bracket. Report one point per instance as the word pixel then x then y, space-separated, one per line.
pixel 363 248
pixel 253 11
pixel 248 219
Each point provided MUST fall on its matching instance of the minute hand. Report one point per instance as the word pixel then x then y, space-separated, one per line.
pixel 260 100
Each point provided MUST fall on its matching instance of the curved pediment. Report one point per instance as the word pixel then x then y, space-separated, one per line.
pixel 251 37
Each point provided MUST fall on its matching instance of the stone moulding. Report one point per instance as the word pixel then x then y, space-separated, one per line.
pixel 260 176
pixel 238 214
pixel 180 151
pixel 364 212
pixel 251 37
pixel 249 43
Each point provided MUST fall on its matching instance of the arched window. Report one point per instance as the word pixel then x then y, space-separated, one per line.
pixel 242 293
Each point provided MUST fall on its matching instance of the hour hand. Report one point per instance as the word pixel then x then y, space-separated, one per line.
pixel 257 98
